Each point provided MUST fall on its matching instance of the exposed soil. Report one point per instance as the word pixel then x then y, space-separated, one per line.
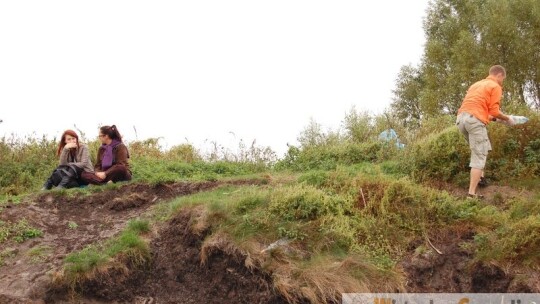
pixel 454 271
pixel 71 223
pixel 495 194
pixel 176 274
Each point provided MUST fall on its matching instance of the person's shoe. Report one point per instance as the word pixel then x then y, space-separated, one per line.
pixel 48 185
pixel 483 182
pixel 475 196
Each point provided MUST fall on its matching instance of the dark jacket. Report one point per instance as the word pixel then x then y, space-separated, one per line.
pixel 120 158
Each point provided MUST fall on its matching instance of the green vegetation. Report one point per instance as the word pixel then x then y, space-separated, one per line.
pixel 38 253
pixel 19 231
pixel 463 39
pixel 6 253
pixel 342 208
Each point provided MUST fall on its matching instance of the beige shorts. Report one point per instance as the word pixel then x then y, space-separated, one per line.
pixel 475 133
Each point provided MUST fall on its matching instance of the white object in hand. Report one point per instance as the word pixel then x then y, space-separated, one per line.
pixel 514 120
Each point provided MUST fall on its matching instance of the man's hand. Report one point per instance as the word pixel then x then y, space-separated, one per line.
pixel 510 121
pixel 101 175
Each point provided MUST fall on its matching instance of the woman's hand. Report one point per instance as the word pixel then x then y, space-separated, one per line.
pixel 101 175
pixel 70 145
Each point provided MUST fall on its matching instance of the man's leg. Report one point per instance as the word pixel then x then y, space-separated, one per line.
pixel 476 174
pixel 477 137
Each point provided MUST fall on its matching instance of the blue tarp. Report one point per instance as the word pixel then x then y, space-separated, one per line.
pixel 391 135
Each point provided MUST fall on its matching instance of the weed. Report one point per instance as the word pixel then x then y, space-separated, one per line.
pixel 38 253
pixel 7 253
pixel 18 232
pixel 139 226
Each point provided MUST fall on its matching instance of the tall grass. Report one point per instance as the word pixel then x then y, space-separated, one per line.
pixel 25 163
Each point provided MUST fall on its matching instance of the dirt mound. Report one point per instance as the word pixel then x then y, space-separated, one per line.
pixel 69 223
pixel 454 269
pixel 176 274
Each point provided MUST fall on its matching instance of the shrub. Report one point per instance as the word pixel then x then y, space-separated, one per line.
pixel 517 241
pixel 305 203
pixel 445 155
pixel 438 157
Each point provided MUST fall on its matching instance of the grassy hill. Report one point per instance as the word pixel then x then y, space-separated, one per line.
pixel 342 212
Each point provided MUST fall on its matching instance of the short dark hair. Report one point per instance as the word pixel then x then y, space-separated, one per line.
pixel 497 69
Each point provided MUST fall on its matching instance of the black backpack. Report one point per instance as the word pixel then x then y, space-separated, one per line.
pixel 65 176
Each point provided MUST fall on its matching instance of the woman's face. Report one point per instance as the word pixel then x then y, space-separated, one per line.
pixel 104 138
pixel 70 139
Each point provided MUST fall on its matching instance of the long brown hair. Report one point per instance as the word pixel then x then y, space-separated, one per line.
pixel 62 143
pixel 112 132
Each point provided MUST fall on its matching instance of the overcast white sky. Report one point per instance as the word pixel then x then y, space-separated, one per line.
pixel 200 69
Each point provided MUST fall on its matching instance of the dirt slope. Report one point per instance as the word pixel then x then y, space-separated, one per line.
pixel 96 217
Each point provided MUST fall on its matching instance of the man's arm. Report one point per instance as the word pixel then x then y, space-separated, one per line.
pixel 494 105
pixel 501 116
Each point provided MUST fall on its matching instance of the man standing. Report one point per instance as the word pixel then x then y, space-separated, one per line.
pixel 479 107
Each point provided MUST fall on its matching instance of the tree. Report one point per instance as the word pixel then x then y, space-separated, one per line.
pixel 463 39
pixel 406 102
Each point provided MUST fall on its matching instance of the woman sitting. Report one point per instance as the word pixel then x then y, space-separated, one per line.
pixel 74 160
pixel 112 159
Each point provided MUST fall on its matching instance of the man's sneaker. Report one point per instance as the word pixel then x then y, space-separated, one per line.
pixel 475 196
pixel 483 182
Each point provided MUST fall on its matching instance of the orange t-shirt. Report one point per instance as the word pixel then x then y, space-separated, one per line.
pixel 483 99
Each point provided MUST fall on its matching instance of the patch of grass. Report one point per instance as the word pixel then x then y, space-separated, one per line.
pixel 7 253
pixel 11 199
pixel 72 225
pixel 38 253
pixel 162 171
pixel 520 208
pixel 139 226
pixel 222 195
pixel 18 232
pixel 322 279
pixel 516 242
pixel 82 262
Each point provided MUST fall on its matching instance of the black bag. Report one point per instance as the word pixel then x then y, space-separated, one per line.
pixel 65 176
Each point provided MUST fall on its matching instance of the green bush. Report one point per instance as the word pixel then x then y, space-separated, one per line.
pixel 328 157
pixel 314 178
pixel 25 163
pixel 438 157
pixel 303 202
pixel 517 241
pixel 445 156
